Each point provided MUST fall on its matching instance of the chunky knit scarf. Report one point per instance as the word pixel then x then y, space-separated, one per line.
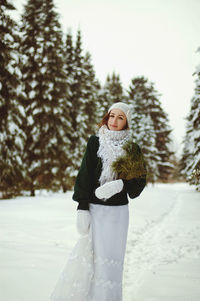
pixel 110 148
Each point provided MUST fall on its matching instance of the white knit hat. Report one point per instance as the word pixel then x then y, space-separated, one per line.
pixel 123 107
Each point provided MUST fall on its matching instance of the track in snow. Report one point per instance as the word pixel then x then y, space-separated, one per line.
pixel 157 241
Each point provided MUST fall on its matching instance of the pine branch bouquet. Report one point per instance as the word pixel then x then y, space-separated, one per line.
pixel 132 164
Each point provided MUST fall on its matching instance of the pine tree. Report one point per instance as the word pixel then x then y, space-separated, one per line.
pixel 75 54
pixel 190 161
pixel 10 110
pixel 82 96
pixel 144 135
pixel 44 96
pixel 86 96
pixel 69 57
pixel 146 106
pixel 176 174
pixel 143 130
pixel 89 98
pixel 112 91
pixel 69 67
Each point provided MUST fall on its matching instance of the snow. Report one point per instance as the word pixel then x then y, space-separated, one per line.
pixel 163 250
pixel 32 94
pixel 197 68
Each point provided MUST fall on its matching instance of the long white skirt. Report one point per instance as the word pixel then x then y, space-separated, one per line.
pixel 94 269
pixel 109 236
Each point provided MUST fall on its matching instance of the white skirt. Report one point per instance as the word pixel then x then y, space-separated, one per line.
pixel 94 269
pixel 109 236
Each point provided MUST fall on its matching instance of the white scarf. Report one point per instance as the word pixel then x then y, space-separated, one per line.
pixel 110 148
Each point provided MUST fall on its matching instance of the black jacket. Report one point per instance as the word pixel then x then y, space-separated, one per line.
pixel 88 180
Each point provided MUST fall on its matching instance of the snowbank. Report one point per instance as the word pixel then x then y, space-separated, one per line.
pixel 163 250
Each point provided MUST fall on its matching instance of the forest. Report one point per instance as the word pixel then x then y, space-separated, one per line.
pixel 51 102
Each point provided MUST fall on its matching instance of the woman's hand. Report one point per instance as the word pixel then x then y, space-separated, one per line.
pixel 83 221
pixel 107 190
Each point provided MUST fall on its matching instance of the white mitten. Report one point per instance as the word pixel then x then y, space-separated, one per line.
pixel 83 221
pixel 109 189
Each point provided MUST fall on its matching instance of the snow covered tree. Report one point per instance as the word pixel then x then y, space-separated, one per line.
pixel 149 120
pixel 109 93
pixel 144 135
pixel 10 111
pixel 69 57
pixel 44 86
pixel 112 91
pixel 83 88
pixel 86 88
pixel 190 161
pixel 69 68
pixel 89 97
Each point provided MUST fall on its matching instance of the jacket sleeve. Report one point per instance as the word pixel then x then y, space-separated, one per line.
pixel 136 185
pixel 83 188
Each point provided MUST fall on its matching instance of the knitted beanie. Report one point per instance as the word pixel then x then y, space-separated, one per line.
pixel 123 107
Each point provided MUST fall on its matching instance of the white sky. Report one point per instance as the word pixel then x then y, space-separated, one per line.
pixel 154 38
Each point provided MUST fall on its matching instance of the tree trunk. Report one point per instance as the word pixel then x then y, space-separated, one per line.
pixel 32 192
pixel 64 187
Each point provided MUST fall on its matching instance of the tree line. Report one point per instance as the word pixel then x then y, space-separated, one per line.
pixel 190 160
pixel 51 102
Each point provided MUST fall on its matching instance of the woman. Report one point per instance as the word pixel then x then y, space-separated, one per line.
pixel 103 201
pixel 112 167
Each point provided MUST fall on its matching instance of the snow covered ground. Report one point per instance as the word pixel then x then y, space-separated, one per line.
pixel 163 251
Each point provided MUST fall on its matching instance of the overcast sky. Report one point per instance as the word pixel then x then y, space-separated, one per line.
pixel 154 38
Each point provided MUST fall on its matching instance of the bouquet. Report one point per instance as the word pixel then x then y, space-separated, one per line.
pixel 132 164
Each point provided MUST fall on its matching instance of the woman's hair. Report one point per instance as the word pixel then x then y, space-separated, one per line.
pixel 105 121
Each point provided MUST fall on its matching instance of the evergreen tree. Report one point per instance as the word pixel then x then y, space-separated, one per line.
pixel 190 161
pixel 82 96
pixel 144 135
pixel 74 54
pixel 146 106
pixel 10 110
pixel 176 174
pixel 86 95
pixel 69 68
pixel 90 91
pixel 44 96
pixel 112 91
pixel 69 57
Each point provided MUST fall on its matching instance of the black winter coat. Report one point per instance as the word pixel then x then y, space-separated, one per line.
pixel 88 180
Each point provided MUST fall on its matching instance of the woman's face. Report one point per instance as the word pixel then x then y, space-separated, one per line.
pixel 117 120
